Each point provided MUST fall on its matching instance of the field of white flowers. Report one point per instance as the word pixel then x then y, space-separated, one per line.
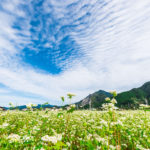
pixel 70 129
pixel 83 130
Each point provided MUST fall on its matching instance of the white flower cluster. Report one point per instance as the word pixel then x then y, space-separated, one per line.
pixel 4 125
pixel 141 147
pixel 116 123
pixel 100 139
pixel 30 105
pixel 14 138
pixel 103 122
pixel 53 139
pixel 109 106
pixel 113 101
pixel 143 106
pixel 27 138
pixel 71 106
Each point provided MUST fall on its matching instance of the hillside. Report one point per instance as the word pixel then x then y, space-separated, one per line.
pixel 135 96
pixel 127 99
pixel 97 99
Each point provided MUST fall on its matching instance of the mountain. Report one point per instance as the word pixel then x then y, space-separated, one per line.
pixel 3 108
pixel 37 107
pixel 96 99
pixel 128 99
pixel 134 97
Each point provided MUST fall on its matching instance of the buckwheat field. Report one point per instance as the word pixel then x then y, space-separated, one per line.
pixel 41 130
pixel 70 129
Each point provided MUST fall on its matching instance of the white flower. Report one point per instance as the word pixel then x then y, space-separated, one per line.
pixel 141 147
pixel 27 138
pixel 35 128
pixel 14 137
pixel 52 139
pixel 73 106
pixel 117 123
pixel 68 144
pixel 107 99
pixel 142 106
pixel 89 136
pixel 109 106
pixel 4 125
pixel 112 147
pixel 99 139
pixel 70 95
pixel 59 137
pixel 114 101
pixel 98 148
pixel 29 105
pixel 68 108
pixel 103 122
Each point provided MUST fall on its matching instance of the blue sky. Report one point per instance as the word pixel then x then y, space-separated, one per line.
pixel 49 48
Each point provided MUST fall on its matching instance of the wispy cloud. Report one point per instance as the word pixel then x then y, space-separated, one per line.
pixel 95 44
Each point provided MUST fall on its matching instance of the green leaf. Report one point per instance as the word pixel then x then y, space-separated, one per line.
pixel 62 98
pixel 59 114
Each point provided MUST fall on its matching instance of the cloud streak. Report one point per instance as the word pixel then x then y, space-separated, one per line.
pixel 95 45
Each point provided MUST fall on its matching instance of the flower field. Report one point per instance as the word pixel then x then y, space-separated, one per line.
pixel 79 130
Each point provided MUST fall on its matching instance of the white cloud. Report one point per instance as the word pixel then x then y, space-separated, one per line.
pixel 114 43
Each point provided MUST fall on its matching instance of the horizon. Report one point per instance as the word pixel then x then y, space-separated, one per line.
pixel 46 103
pixel 51 48
pixel 63 104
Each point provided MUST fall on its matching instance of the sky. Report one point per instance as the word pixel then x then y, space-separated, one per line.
pixel 49 48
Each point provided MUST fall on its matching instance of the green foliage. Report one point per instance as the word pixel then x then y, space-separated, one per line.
pixel 131 98
pixel 71 108
pixel 114 93
pixel 62 98
pixel 59 114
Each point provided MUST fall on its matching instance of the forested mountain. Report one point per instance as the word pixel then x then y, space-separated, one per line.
pixel 128 99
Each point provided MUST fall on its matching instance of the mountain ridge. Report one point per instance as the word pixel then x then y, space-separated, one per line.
pixel 127 99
